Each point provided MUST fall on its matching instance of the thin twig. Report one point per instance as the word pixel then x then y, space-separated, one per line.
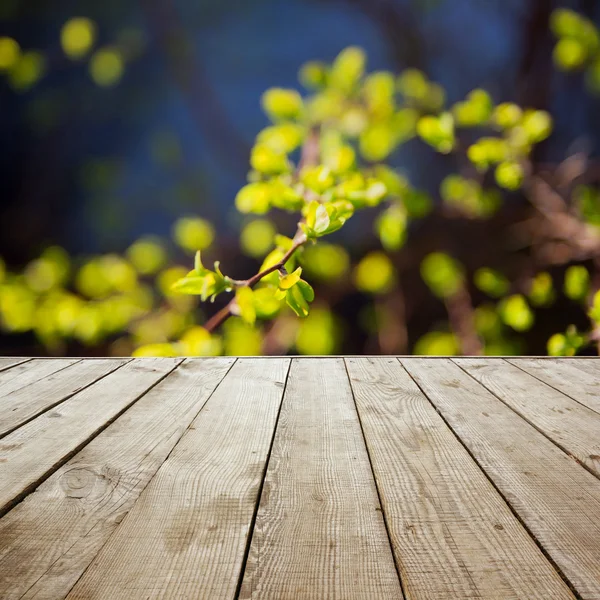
pixel 309 157
pixel 228 310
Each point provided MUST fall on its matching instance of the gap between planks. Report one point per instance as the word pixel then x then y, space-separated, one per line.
pixel 187 533
pixel 7 363
pixel 27 403
pixel 534 476
pixel 33 452
pixel 50 538
pixel 443 514
pixel 571 426
pixel 266 466
pixel 319 531
pixel 579 378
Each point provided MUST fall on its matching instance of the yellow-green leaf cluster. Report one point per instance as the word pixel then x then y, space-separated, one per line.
pixel 443 274
pixel 203 282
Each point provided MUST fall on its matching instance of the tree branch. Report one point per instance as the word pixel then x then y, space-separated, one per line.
pixel 309 157
pixel 216 320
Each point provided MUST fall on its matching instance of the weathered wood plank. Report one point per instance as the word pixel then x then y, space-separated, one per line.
pixel 589 364
pixel 29 372
pixel 319 530
pixel 32 452
pixel 577 378
pixel 574 427
pixel 186 535
pixel 453 534
pixel 28 402
pixel 8 362
pixel 50 538
pixel 557 499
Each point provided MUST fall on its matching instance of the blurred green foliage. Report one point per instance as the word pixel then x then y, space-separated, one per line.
pixel 322 159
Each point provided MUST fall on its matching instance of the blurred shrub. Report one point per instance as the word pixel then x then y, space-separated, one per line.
pixel 321 160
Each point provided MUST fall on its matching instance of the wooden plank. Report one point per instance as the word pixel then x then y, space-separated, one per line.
pixel 577 378
pixel 29 372
pixel 186 535
pixel 453 535
pixel 32 452
pixel 50 538
pixel 8 362
pixel 557 499
pixel 319 530
pixel 574 427
pixel 589 364
pixel 26 403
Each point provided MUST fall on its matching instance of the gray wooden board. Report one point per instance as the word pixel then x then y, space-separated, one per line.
pixel 186 535
pixel 579 379
pixel 29 454
pixel 556 498
pixel 25 374
pixel 8 362
pixel 143 485
pixel 49 539
pixel 319 531
pixel 26 403
pixel 453 534
pixel 574 427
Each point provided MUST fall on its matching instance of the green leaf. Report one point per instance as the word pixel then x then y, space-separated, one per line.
pixel 319 179
pixel 515 312
pixel 290 280
pixel 322 220
pixel 283 138
pixel 541 292
pixel 391 227
pixel 189 285
pixel 266 160
pixel 306 290
pixel 347 69
pixel 192 233
pixel 491 282
pixel 375 273
pixel 244 298
pixel 202 282
pixel 254 198
pixel 566 344
pixel 442 274
pixel 282 104
pixel 507 115
pixel 577 282
pixel 510 175
pixel 475 110
pixel 594 311
pixel 437 132
pixel 266 302
pixel 297 302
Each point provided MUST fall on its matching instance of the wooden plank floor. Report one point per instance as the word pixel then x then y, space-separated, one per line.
pixel 300 478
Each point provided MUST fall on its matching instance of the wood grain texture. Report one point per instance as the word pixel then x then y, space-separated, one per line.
pixel 32 452
pixel 186 535
pixel 577 378
pixel 8 362
pixel 557 499
pixel 25 374
pixel 26 403
pixel 453 534
pixel 319 530
pixel 50 538
pixel 572 426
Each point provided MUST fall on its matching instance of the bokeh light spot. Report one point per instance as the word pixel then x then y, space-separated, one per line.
pixel 77 37
pixel 9 53
pixel 106 67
